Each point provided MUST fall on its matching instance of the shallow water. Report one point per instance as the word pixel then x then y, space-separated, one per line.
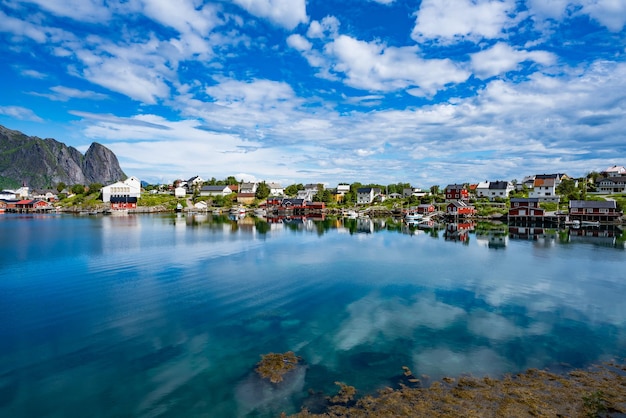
pixel 164 315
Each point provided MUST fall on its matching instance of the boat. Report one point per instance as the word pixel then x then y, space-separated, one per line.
pixel 590 223
pixel 259 212
pixel 237 210
pixel 119 212
pixel 351 214
pixel 179 207
pixel 413 217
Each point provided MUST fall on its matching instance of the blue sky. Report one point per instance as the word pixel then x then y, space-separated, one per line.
pixel 426 92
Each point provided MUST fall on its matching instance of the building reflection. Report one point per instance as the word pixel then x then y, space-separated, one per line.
pixel 459 231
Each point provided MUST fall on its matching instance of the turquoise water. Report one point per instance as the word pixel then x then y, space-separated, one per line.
pixel 164 315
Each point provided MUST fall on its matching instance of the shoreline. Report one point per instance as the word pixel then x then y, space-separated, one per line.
pixel 599 390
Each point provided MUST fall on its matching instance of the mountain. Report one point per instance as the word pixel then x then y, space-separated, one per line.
pixel 44 163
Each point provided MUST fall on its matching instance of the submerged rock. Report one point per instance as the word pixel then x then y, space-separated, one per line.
pixel 274 365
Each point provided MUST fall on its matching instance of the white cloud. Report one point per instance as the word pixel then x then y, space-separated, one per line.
pixel 299 43
pixel 285 13
pixel 20 113
pixel 375 67
pixel 327 27
pixel 502 58
pixel 453 20
pixel 81 10
pixel 21 28
pixel 34 74
pixel 183 15
pixel 261 93
pixel 64 94
pixel 610 13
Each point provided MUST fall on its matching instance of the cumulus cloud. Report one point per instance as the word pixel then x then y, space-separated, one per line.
pixel 327 27
pixel 285 13
pixel 182 15
pixel 376 67
pixel 299 43
pixel 608 13
pixel 502 58
pixel 448 21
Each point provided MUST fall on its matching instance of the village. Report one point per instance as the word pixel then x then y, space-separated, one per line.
pixel 538 200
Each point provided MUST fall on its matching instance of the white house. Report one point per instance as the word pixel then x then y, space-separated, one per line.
pixel 544 187
pixel 130 188
pixel 413 191
pixel 215 191
pixel 611 185
pixel 8 195
pixel 309 191
pixel 615 171
pixel 180 192
pixel 494 189
pixel 248 187
pixel 276 189
pixel 195 183
pixel 366 195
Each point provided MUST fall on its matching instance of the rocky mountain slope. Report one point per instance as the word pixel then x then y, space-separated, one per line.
pixel 44 163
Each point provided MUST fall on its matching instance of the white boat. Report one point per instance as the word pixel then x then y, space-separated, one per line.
pixel 413 217
pixel 119 212
pixel 237 210
pixel 261 213
pixel 351 214
pixel 590 223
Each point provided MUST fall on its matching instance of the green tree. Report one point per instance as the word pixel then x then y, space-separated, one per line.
pixel 292 190
pixel 434 190
pixel 262 191
pixel 568 189
pixel 61 186
pixel 95 187
pixel 78 189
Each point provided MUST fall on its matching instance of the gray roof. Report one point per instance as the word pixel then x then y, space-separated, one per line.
pixel 213 188
pixel 499 185
pixel 525 200
pixel 620 179
pixel 584 204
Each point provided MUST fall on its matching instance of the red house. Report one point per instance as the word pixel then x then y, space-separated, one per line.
pixel 425 208
pixel 597 211
pixel 525 209
pixel 456 192
pixel 31 205
pixel 123 202
pixel 460 208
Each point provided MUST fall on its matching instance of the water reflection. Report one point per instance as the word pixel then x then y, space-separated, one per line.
pixel 179 308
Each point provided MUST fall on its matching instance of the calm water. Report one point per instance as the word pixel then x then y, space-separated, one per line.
pixel 167 316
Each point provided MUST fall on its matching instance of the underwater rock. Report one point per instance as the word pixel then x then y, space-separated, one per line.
pixel 274 365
